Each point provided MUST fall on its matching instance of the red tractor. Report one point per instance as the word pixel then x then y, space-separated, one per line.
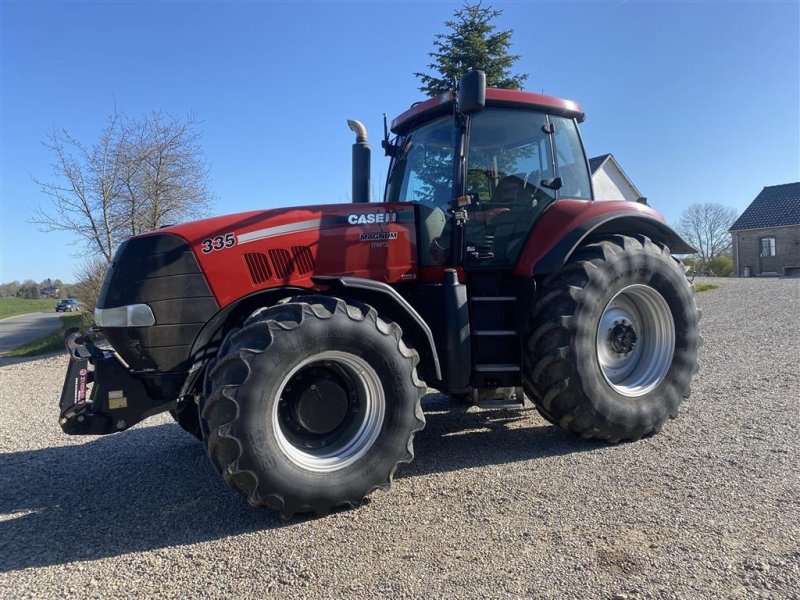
pixel 297 343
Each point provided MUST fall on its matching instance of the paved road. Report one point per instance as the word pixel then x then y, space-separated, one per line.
pixel 15 331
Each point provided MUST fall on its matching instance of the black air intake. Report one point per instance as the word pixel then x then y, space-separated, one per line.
pixel 257 266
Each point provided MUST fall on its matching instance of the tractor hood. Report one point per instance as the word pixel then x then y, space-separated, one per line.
pixel 242 253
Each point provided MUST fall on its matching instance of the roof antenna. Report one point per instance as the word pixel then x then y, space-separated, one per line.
pixel 388 148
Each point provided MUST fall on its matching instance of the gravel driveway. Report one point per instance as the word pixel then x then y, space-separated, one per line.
pixel 496 503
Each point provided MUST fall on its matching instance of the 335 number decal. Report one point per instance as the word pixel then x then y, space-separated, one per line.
pixel 219 242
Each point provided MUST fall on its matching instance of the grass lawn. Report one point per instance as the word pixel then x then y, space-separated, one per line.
pixel 49 343
pixel 19 306
pixel 704 287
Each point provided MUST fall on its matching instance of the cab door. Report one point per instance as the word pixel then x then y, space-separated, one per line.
pixel 518 163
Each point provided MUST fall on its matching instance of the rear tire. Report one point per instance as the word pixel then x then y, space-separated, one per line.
pixel 312 405
pixel 612 343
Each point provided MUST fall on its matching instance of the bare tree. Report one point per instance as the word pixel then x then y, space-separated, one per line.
pixel 170 175
pixel 83 200
pixel 139 175
pixel 705 226
pixel 9 289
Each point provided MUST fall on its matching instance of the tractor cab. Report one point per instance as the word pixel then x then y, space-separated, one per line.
pixel 481 180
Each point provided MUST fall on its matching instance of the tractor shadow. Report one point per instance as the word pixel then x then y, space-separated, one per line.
pixel 458 436
pixel 153 487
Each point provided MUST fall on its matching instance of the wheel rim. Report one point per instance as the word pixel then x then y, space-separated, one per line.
pixel 635 340
pixel 330 411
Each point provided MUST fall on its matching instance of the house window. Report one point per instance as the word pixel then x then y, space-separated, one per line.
pixel 767 246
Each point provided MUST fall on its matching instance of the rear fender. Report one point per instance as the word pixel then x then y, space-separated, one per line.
pixel 567 224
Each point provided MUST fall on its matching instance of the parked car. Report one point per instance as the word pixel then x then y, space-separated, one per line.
pixel 68 305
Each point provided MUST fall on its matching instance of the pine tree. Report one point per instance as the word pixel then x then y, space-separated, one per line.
pixel 471 44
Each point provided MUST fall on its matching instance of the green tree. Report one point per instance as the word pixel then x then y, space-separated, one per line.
pixel 29 289
pixel 472 43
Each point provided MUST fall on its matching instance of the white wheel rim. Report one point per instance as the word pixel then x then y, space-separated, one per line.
pixel 363 428
pixel 635 340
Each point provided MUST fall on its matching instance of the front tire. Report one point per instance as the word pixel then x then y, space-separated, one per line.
pixel 612 343
pixel 186 415
pixel 313 405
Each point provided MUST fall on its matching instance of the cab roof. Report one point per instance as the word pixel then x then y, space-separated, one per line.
pixel 443 104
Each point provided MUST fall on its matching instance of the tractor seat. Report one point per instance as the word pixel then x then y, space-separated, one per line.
pixel 509 188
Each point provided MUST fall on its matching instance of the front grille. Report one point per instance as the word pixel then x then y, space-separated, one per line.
pixel 161 271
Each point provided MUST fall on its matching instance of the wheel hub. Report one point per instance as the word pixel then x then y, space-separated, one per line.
pixel 329 412
pixel 635 340
pixel 623 338
pixel 321 407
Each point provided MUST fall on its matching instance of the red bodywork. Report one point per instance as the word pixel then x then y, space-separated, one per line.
pixel 443 104
pixel 247 252
pixel 286 247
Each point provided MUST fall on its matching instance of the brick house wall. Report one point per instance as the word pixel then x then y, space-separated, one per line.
pixel 747 251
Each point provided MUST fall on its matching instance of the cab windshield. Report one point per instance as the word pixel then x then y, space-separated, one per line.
pixel 423 168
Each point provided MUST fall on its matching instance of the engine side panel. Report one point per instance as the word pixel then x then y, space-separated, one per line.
pixel 244 253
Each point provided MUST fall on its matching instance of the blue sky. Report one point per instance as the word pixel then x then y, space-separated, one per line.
pixel 699 102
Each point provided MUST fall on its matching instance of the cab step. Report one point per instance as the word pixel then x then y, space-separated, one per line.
pixel 497 368
pixel 499 398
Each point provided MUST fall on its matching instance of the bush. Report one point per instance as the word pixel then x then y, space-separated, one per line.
pixel 90 276
pixel 691 262
pixel 28 290
pixel 720 266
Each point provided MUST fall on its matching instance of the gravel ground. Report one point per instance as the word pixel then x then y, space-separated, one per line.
pixel 497 504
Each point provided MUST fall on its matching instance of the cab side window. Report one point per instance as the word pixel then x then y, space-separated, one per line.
pixel 570 162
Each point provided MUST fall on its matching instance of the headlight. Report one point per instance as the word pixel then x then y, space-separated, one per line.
pixel 133 315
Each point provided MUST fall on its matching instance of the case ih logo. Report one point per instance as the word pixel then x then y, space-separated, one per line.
pixel 369 219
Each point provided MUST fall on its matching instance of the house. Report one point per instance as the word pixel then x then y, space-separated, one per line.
pixel 766 238
pixel 49 291
pixel 610 182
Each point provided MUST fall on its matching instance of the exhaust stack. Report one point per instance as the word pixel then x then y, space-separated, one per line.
pixel 361 162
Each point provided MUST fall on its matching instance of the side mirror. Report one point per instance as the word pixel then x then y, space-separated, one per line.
pixel 472 92
pixel 553 183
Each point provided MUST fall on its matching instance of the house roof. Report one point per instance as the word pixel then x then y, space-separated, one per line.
pixel 597 162
pixel 775 206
